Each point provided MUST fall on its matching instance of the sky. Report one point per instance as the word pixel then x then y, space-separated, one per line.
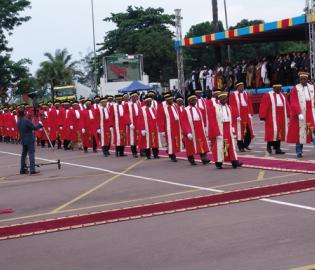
pixel 58 24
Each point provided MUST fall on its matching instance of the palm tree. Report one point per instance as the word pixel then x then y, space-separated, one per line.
pixel 57 70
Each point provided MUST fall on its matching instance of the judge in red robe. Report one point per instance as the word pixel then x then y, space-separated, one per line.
pixel 55 118
pixel 275 110
pixel 242 113
pixel 202 105
pixel 1 124
pixel 106 126
pixel 302 107
pixel 133 108
pixel 193 126
pixel 44 114
pixel 66 123
pixel 91 127
pixel 149 129
pixel 221 133
pixel 77 122
pixel 120 119
pixel 169 126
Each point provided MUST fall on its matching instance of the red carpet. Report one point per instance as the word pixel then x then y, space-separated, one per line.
pixel 263 163
pixel 79 221
pixel 6 211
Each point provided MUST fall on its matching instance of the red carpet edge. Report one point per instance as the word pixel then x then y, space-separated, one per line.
pixel 150 210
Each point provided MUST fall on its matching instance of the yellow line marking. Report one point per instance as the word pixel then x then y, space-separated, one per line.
pixel 256 180
pixel 47 179
pixel 261 174
pixel 307 267
pixel 129 201
pixel 143 199
pixel 95 188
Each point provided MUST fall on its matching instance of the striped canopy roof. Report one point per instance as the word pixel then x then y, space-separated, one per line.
pixel 258 32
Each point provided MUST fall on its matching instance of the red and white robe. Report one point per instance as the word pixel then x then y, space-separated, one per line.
pixel 120 119
pixel 202 105
pixel 242 110
pixel 133 109
pixel 221 134
pixel 302 102
pixel 91 123
pixel 77 122
pixel 192 123
pixel 169 122
pixel 106 124
pixel 148 123
pixel 55 116
pixel 275 110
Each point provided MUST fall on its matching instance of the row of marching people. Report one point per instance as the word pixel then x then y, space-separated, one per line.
pixel 142 126
pixel 222 123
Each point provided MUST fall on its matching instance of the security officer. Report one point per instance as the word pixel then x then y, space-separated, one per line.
pixel 26 128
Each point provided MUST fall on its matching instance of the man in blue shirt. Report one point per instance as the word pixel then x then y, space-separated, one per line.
pixel 26 129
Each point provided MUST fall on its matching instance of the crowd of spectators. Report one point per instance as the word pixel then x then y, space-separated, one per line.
pixel 260 73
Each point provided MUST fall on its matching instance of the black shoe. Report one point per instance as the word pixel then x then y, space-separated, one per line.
pixel 205 161
pixel 85 150
pixel 173 158
pixel 299 155
pixel 242 150
pixel 247 148
pixel 148 157
pixel 32 173
pixel 192 161
pixel 156 157
pixel 279 152
pixel 218 165
pixel 94 151
pixel 23 172
pixel 236 163
pixel 135 155
pixel 269 150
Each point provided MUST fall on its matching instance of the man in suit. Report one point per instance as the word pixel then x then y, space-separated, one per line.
pixel 26 129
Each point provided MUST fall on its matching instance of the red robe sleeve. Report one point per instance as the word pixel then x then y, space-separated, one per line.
pixel 213 126
pixel 294 102
pixel 233 105
pixel 264 107
pixel 161 119
pixel 185 123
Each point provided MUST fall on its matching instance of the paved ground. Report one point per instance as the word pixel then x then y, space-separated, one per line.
pixel 269 234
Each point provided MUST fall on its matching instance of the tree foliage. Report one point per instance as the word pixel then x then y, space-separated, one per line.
pixel 12 76
pixel 144 31
pixel 10 18
pixel 58 69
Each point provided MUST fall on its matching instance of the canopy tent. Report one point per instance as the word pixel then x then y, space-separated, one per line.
pixel 136 86
pixel 291 29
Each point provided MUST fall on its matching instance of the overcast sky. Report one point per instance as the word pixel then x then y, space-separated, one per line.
pixel 67 23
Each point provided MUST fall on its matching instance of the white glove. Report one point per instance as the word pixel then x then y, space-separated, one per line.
pixel 190 136
pixel 163 134
pixel 71 127
pixel 301 117
pixel 61 128
pixel 98 131
pixel 250 116
pixel 233 130
pixel 41 129
pixel 111 129
pixel 83 130
pixel 8 129
pixel 12 129
pixel 40 122
pixel 132 126
pixel 49 129
pixel 143 132
pixel 238 118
